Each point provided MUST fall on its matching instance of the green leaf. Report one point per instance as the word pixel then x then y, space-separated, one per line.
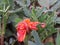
pixel 11 3
pixel 36 38
pixel 27 12
pixel 5 3
pixel 58 20
pixel 44 3
pixel 21 2
pixel 28 2
pixel 12 17
pixel 47 3
pixel 43 17
pixel 51 2
pixel 17 20
pixel 49 43
pixel 40 11
pixel 56 6
pixel 31 43
pixel 58 39
pixel 33 15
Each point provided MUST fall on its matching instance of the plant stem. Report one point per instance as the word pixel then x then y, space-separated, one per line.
pixel 2 31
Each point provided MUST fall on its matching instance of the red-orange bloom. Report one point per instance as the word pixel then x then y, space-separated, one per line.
pixel 21 35
pixel 32 25
pixel 24 27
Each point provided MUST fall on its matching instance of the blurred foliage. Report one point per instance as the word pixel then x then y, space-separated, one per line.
pixel 14 11
pixel 58 38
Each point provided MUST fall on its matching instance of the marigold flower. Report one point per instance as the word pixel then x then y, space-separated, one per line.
pixel 24 27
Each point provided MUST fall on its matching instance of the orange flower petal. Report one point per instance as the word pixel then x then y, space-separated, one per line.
pixel 27 20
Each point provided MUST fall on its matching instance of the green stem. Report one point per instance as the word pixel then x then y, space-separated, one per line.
pixel 2 31
pixel 3 25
